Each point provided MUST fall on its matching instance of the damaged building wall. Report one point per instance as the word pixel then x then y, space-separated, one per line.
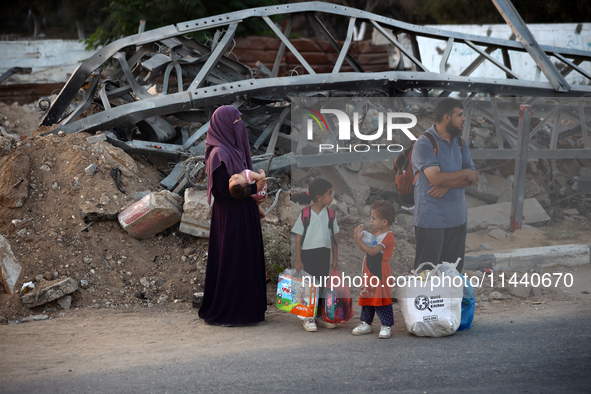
pixel 562 35
pixel 52 61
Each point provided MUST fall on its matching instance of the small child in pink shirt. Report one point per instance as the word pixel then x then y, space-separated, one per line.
pixel 240 187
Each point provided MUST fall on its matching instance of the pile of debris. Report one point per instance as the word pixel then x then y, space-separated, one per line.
pixel 60 205
pixel 59 209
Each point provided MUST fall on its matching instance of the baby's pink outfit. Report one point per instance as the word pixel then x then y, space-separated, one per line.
pixel 261 193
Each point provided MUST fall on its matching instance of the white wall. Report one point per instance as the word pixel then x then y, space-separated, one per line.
pixel 52 61
pixel 568 35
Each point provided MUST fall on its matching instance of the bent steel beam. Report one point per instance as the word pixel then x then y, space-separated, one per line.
pixel 206 76
pixel 530 44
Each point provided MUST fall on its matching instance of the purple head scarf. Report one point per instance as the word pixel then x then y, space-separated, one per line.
pixel 226 142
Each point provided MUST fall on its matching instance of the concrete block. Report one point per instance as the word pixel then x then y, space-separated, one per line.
pixel 151 214
pixel 65 302
pixel 199 149
pixel 544 256
pixel 196 217
pixel 10 269
pixel 472 202
pixel 497 234
pixel 49 291
pixel 500 214
pixel 96 138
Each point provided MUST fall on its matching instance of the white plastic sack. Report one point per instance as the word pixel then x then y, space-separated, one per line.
pixel 432 304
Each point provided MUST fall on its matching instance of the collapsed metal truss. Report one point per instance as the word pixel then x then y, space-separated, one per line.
pixel 163 73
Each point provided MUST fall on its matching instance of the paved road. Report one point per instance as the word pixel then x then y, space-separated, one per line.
pixel 542 354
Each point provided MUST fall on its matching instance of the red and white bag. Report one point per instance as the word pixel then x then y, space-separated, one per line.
pixel 296 293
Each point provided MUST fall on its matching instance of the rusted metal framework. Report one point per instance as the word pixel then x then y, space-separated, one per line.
pixel 163 73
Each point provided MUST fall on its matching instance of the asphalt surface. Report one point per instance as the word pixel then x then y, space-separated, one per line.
pixel 531 356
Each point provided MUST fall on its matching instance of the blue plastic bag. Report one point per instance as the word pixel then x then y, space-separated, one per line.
pixel 468 306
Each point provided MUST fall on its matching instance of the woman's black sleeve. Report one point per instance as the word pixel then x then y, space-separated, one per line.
pixel 221 182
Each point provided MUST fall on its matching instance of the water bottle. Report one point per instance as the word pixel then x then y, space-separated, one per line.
pixel 368 238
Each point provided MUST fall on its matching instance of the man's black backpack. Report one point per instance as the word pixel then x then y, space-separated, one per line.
pixel 405 180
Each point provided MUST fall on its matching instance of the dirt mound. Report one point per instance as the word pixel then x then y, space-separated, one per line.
pixel 44 188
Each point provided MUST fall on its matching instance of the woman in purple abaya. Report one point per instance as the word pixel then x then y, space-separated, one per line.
pixel 235 284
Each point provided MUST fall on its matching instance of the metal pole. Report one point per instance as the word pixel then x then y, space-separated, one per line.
pixel 525 112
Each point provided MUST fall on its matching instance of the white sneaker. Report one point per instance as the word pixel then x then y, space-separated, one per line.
pixel 325 324
pixel 310 325
pixel 385 332
pixel 362 329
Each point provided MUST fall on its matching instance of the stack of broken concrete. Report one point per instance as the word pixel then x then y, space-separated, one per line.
pixel 59 289
pixel 158 211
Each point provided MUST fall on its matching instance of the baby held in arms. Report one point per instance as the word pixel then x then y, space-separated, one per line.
pixel 240 187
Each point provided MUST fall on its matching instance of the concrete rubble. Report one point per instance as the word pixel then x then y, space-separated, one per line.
pixel 65 302
pixel 49 291
pixel 543 256
pixel 96 138
pixel 153 212
pixel 497 233
pixel 32 318
pixel 196 217
pixel 356 185
pixel 151 215
pixel 499 214
pixel 10 269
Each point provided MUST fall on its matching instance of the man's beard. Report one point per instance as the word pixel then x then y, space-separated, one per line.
pixel 453 130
